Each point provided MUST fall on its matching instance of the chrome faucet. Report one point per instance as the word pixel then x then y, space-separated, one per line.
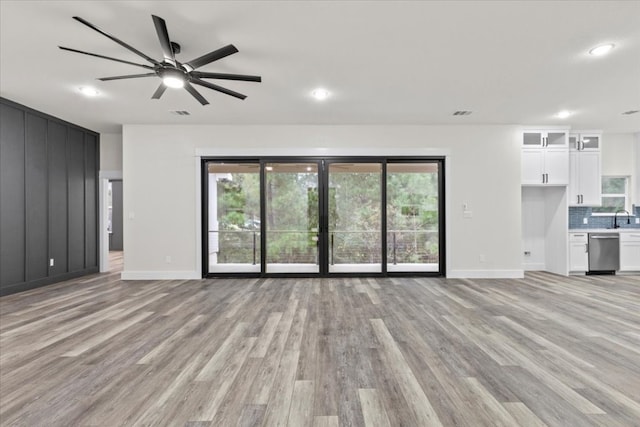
pixel 615 218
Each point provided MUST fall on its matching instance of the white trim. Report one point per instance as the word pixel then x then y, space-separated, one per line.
pixel 198 251
pixel 110 174
pixel 408 267
pixel 160 275
pixel 486 274
pixel 355 268
pixel 534 266
pixel 293 268
pixel 234 268
pixel 321 152
pixel 103 220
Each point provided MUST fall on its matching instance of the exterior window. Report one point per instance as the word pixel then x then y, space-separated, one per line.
pixel 615 195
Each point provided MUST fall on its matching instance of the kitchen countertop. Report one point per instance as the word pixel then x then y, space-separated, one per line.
pixel 604 230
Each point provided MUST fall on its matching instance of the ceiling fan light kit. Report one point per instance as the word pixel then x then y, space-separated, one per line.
pixel 173 73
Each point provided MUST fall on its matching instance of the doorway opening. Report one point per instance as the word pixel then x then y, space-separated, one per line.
pixel 323 216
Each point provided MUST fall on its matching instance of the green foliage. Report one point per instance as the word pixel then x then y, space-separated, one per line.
pixel 354 217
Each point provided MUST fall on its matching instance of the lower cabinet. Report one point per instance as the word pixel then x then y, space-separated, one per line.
pixel 630 251
pixel 578 252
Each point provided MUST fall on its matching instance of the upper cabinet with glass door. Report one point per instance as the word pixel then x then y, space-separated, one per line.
pixel 585 141
pixel 545 139
pixel 545 157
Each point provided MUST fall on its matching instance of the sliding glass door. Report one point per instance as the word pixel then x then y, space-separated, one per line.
pixel 355 217
pixel 291 217
pixel 413 217
pixel 233 217
pixel 318 217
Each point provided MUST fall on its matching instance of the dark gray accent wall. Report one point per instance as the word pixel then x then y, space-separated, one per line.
pixel 48 199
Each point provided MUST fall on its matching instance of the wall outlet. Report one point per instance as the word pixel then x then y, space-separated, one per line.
pixel 467 214
pixel 132 215
pixel 482 258
pixel 51 262
pixel 585 220
pixel 167 259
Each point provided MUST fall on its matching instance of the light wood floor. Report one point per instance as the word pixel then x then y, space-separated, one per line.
pixel 546 350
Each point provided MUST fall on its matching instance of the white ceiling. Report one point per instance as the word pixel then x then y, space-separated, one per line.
pixel 385 62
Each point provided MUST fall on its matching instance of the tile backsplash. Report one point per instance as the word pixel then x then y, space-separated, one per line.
pixel 576 216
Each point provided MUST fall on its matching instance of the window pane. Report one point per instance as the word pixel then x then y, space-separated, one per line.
pixel 234 217
pixel 355 221
pixel 612 185
pixel 610 205
pixel 412 217
pixel 291 216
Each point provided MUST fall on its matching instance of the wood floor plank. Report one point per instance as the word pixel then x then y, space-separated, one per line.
pixel 545 350
pixel 301 410
pixel 372 408
pixel 413 393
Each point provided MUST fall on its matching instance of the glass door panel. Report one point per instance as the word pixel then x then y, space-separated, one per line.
pixel 354 215
pixel 233 217
pixel 412 217
pixel 291 215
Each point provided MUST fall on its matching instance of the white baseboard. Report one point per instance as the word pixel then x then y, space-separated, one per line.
pixel 160 275
pixel 534 266
pixel 485 274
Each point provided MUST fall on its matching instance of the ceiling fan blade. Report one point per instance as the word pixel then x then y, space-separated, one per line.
pixel 120 42
pixel 129 76
pixel 106 57
pixel 195 93
pixel 163 36
pixel 211 56
pixel 158 93
pixel 218 88
pixel 244 78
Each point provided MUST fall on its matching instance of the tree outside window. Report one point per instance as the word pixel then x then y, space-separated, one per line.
pixel 615 195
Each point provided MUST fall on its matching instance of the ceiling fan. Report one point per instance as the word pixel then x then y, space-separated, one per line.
pixel 174 74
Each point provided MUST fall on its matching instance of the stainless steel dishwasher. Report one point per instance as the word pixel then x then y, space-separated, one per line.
pixel 604 253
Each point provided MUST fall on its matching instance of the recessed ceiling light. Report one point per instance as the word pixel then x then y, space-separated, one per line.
pixel 89 91
pixel 603 49
pixel 563 114
pixel 320 94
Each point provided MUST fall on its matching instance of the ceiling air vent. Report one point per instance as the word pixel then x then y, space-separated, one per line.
pixel 180 113
pixel 628 113
pixel 462 113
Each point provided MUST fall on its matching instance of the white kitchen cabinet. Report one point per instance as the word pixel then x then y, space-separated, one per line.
pixel 542 166
pixel 630 251
pixel 585 187
pixel 545 139
pixel 545 157
pixel 578 252
pixel 585 141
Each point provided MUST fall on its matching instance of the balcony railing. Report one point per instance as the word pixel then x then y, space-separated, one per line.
pixel 345 247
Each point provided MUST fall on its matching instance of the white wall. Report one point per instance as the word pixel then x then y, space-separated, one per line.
pixel 636 200
pixel 162 197
pixel 618 154
pixel 111 152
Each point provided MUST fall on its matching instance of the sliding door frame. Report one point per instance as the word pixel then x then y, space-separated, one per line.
pixel 323 163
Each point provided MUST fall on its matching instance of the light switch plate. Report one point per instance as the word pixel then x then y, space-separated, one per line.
pixel 585 220
pixel 637 220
